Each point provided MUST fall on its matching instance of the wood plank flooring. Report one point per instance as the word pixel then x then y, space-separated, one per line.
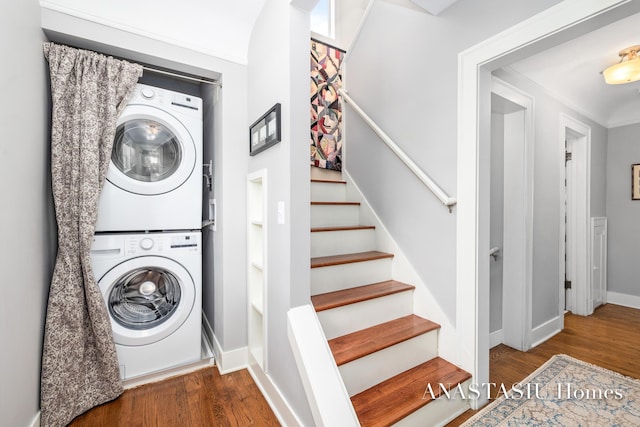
pixel 202 398
pixel 609 338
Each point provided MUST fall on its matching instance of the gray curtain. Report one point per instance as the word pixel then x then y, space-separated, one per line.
pixel 79 362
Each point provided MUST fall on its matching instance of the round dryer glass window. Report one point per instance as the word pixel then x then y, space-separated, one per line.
pixel 144 298
pixel 146 150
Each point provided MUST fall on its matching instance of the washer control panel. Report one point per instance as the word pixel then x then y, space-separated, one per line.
pixel 161 243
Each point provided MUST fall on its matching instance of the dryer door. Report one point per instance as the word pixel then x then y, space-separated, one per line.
pixel 153 152
pixel 148 299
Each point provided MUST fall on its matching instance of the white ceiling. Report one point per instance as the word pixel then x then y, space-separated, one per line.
pixel 434 7
pixel 570 72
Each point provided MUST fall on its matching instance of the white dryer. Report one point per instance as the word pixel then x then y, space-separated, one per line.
pixel 154 180
pixel 151 284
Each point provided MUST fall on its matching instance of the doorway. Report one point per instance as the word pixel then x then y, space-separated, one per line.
pixel 575 280
pixel 511 212
pixel 559 23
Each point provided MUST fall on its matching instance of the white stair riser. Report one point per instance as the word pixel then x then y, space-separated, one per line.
pixel 353 317
pixel 365 372
pixel 343 276
pixel 334 215
pixel 328 192
pixel 438 412
pixel 325 243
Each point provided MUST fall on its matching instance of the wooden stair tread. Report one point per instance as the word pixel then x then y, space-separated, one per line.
pixel 388 402
pixel 326 261
pixel 329 181
pixel 337 203
pixel 367 341
pixel 342 228
pixel 344 297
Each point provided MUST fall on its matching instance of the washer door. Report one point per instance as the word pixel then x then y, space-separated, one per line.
pixel 148 298
pixel 153 152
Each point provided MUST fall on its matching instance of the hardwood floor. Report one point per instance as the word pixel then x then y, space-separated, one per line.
pixel 202 398
pixel 609 338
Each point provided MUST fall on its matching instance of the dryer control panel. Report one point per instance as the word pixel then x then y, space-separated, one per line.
pixel 150 95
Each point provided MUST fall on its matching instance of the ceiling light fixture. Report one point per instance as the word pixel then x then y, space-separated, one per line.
pixel 625 71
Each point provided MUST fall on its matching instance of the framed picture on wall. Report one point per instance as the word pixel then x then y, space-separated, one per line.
pixel 265 131
pixel 635 182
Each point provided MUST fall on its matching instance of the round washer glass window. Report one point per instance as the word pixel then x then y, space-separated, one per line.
pixel 144 298
pixel 146 150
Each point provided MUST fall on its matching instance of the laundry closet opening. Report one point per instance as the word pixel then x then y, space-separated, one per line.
pixel 153 248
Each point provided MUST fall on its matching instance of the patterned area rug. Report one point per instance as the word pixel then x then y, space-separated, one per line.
pixel 565 392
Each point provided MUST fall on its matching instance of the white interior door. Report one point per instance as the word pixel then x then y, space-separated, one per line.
pixel 569 181
pixel 598 261
pixel 575 250
pixel 517 215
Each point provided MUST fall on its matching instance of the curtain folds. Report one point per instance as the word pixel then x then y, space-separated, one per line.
pixel 79 362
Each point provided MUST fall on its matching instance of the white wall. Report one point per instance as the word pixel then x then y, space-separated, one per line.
pixel 548 164
pixel 405 77
pixel 623 268
pixel 217 28
pixel 278 71
pixel 27 223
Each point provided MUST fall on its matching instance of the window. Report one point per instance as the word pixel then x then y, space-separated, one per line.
pixel 323 18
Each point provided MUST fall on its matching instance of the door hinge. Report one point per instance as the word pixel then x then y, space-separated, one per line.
pixel 567 156
pixel 567 284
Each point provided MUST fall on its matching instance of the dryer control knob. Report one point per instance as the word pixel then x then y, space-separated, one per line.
pixel 147 93
pixel 146 243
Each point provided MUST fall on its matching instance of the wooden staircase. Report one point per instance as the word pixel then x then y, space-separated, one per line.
pixel 387 356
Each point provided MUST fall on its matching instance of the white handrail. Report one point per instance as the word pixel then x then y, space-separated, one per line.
pixel 449 202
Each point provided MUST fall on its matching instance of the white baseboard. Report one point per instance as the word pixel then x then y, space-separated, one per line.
pixel 273 396
pixel 624 300
pixel 36 421
pixel 154 377
pixel 545 331
pixel 495 338
pixel 229 361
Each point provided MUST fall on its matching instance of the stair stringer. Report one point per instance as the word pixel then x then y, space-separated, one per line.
pixel 424 304
pixel 323 385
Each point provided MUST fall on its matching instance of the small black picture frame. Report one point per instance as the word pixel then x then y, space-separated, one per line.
pixel 265 132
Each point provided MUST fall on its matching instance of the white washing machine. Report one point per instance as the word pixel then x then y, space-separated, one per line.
pixel 154 180
pixel 151 284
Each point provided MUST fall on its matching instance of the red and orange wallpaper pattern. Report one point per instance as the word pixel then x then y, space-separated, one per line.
pixel 326 108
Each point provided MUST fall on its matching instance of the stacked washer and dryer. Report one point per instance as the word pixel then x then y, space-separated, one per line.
pixel 146 253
